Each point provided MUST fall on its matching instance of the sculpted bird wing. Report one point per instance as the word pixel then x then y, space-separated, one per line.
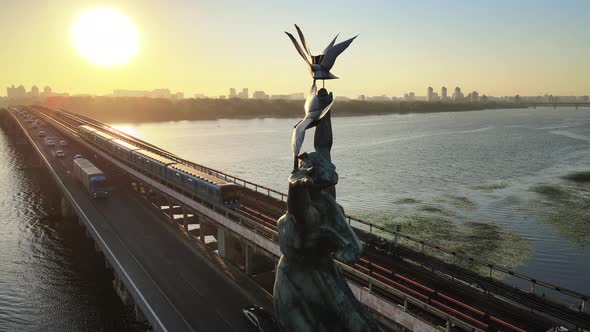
pixel 299 136
pixel 309 102
pixel 333 52
pixel 303 42
pixel 331 44
pixel 298 48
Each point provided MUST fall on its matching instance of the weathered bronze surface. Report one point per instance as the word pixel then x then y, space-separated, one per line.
pixel 310 292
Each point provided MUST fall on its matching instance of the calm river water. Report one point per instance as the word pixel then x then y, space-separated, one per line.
pixel 489 183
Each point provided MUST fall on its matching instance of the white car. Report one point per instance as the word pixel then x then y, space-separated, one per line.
pixel 60 153
pixel 63 143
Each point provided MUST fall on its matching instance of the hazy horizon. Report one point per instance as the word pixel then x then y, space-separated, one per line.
pixel 500 48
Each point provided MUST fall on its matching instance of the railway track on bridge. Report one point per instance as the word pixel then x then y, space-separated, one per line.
pixel 377 265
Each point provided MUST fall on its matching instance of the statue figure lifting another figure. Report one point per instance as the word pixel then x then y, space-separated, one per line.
pixel 310 293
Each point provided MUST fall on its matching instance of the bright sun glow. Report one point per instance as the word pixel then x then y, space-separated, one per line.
pixel 105 37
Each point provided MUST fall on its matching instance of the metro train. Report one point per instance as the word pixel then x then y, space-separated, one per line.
pixel 167 171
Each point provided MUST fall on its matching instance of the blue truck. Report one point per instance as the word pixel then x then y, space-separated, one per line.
pixel 91 177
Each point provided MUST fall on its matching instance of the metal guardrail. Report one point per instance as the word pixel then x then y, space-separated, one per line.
pixel 372 283
pixel 454 256
pixel 373 229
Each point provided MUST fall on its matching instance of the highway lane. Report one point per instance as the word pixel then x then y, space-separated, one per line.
pixel 204 298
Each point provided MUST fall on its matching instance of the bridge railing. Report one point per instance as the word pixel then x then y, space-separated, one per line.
pixel 406 301
pixel 471 262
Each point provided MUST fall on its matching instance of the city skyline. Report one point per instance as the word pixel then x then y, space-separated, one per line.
pixel 503 49
pixel 457 95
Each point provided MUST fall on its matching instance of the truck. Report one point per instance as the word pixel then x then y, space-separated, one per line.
pixel 92 178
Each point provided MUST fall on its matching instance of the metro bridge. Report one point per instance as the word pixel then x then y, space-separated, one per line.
pixel 187 264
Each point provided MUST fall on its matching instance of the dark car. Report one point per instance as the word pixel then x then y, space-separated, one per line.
pixel 261 319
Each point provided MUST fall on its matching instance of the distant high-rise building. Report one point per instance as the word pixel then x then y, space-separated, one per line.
pixel 474 97
pixel 443 93
pixel 457 95
pixel 232 93
pixel 429 94
pixel 18 92
pixel 34 91
pixel 47 92
pixel 244 94
pixel 260 95
pixel 362 97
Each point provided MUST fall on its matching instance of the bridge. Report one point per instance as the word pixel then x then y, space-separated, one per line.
pixel 186 264
pixel 556 104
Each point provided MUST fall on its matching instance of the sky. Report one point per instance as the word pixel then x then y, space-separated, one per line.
pixel 196 46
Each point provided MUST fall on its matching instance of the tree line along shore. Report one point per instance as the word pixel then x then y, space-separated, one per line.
pixel 139 109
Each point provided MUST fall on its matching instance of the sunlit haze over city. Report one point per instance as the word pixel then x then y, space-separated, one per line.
pixel 498 48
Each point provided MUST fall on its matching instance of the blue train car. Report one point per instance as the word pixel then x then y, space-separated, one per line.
pixel 123 150
pixel 204 186
pixel 151 163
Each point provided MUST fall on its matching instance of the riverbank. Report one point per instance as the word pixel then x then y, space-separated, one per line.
pixel 136 110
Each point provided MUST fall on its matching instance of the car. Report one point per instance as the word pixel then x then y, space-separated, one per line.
pixel 261 319
pixel 63 143
pixel 50 142
pixel 42 133
pixel 60 153
pixel 78 156
pixel 34 125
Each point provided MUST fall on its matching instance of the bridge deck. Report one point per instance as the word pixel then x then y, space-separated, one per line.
pixel 182 289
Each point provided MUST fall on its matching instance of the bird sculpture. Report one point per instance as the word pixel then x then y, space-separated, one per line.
pixel 320 65
pixel 318 103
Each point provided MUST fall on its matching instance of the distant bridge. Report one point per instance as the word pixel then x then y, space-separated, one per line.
pixel 556 104
pixel 187 264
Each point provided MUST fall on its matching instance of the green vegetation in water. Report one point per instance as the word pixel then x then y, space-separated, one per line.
pixel 570 213
pixel 486 242
pixel 437 210
pixel 492 186
pixel 553 193
pixel 458 201
pixel 407 200
pixel 579 177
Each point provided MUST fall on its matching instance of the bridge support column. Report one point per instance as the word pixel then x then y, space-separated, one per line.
pixel 206 229
pixel 66 208
pixel 221 243
pixel 255 262
pixel 121 291
pixel 139 316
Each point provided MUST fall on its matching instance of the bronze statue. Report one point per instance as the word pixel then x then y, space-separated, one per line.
pixel 310 292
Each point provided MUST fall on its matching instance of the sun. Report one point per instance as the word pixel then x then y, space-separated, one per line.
pixel 105 37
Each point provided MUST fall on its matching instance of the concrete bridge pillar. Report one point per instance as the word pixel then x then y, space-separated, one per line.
pixel 206 229
pixel 121 291
pixel 221 243
pixel 66 208
pixel 255 263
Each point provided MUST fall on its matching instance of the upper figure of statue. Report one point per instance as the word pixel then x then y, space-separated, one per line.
pixel 318 103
